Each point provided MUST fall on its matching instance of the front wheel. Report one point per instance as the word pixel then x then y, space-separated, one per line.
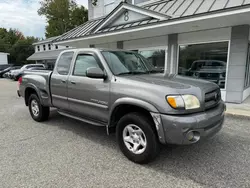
pixel 37 111
pixel 137 138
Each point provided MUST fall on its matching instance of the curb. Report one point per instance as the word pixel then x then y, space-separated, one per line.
pixel 238 114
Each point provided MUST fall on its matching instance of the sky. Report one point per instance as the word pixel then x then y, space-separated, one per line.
pixel 22 15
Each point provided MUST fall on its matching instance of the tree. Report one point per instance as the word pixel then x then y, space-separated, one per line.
pixel 21 50
pixel 79 16
pixel 62 16
pixel 17 45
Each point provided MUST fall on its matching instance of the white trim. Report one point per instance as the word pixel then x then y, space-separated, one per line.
pixel 134 9
pixel 204 42
pixel 150 2
pixel 198 18
pixel 109 3
pixel 166 60
pixel 228 61
pixel 172 59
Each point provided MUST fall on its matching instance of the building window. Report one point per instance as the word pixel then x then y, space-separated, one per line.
pixel 56 47
pixel 108 6
pixel 204 61
pixel 44 47
pixel 49 46
pixel 38 48
pixel 155 57
pixel 247 74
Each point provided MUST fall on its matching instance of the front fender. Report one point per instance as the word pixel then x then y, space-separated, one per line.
pixel 145 105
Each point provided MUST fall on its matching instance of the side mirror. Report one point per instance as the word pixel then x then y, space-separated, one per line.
pixel 94 72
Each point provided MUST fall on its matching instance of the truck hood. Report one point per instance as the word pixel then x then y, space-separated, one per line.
pixel 173 81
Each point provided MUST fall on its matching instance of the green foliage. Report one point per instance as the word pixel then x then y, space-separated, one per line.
pixel 19 47
pixel 62 16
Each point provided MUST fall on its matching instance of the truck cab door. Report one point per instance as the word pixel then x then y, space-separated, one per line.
pixel 58 83
pixel 88 97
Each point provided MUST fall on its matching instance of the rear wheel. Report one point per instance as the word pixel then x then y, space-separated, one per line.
pixel 137 138
pixel 37 111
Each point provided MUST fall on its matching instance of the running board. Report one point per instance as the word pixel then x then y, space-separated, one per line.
pixel 81 119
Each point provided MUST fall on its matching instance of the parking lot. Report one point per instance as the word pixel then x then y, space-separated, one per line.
pixel 67 153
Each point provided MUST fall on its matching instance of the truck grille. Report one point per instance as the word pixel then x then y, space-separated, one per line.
pixel 212 98
pixel 209 75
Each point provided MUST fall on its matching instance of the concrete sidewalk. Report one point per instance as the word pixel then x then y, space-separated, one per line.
pixel 239 109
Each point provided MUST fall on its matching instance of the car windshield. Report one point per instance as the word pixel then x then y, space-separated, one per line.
pixel 125 62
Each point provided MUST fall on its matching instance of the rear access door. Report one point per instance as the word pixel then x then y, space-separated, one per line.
pixel 59 81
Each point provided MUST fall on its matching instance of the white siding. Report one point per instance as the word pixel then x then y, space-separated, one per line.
pixel 100 10
pixel 3 58
pixel 205 36
pixel 112 45
pixel 160 41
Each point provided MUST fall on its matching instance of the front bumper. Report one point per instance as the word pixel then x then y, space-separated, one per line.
pixel 205 124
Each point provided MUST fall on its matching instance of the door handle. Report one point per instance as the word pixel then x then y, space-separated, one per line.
pixel 72 82
pixel 63 81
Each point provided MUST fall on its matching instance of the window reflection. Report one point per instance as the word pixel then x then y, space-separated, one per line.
pixel 155 57
pixel 204 61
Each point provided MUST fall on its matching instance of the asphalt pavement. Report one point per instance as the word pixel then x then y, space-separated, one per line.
pixel 67 153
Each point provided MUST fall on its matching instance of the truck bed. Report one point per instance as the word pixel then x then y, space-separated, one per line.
pixel 39 80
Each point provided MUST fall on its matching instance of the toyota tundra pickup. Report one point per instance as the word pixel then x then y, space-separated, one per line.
pixel 122 91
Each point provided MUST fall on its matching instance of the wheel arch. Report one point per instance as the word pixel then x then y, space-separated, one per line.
pixel 124 106
pixel 30 89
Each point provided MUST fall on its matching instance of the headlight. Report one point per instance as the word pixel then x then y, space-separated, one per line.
pixel 187 102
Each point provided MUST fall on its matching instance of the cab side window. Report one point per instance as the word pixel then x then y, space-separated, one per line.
pixel 64 62
pixel 83 62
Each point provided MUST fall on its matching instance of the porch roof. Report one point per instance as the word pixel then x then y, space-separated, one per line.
pixel 45 55
pixel 173 9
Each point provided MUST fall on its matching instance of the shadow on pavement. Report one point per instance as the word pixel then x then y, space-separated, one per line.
pixel 219 162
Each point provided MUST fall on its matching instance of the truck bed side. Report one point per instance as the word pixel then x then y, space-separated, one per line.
pixel 37 82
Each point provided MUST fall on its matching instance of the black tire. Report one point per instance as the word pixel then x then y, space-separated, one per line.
pixel 147 126
pixel 43 113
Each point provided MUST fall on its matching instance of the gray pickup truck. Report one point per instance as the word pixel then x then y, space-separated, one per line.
pixel 122 91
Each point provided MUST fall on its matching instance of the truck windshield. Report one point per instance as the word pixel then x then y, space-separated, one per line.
pixel 125 62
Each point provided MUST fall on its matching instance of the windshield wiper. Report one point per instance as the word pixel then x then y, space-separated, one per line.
pixel 124 73
pixel 156 71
